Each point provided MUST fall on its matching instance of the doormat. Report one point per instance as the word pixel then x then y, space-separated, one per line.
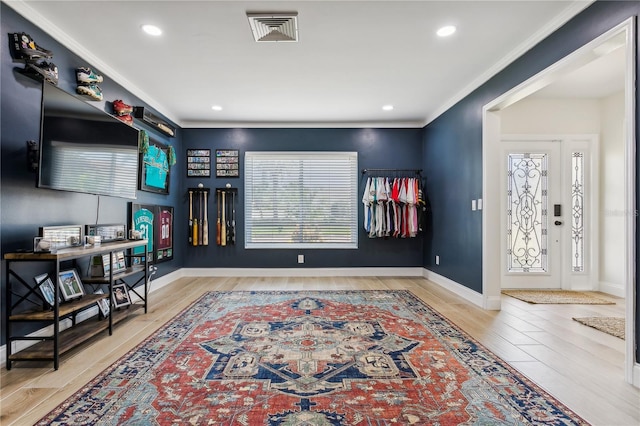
pixel 610 325
pixel 557 297
pixel 310 358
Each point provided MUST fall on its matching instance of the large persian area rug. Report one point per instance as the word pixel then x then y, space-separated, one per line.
pixel 310 358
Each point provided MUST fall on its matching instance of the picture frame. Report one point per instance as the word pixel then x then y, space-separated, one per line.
pixel 163 230
pixel 103 304
pixel 47 289
pixel 120 296
pixel 227 163
pixel 155 172
pixel 70 284
pixel 198 163
pixel 142 220
pixel 119 262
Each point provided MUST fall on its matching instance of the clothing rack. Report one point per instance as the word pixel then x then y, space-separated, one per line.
pixel 416 171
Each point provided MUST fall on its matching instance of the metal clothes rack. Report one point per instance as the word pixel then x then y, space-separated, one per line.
pixel 416 171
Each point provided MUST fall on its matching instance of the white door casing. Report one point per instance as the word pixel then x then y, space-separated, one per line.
pixel 548 212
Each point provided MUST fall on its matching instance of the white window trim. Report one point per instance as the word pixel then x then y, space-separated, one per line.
pixel 351 196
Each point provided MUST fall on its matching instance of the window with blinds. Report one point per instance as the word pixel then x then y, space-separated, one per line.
pixel 301 200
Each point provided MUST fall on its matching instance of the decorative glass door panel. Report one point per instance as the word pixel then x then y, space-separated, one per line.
pixel 527 207
pixel 577 211
pixel 531 237
pixel 548 212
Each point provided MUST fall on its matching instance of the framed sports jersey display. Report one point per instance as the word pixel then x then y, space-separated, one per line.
pixel 163 233
pixel 142 220
pixel 154 168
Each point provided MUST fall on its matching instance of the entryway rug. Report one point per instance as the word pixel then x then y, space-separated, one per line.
pixel 610 325
pixel 311 358
pixel 557 297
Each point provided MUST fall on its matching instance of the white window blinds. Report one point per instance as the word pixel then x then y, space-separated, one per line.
pixel 301 200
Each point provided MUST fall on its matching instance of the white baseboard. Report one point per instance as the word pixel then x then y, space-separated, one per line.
pixel 617 290
pixel 158 283
pixel 302 272
pixel 457 288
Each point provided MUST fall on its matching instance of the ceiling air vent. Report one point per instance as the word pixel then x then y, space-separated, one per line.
pixel 274 26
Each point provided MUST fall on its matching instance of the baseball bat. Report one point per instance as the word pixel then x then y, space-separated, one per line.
pixel 223 231
pixel 201 217
pixel 233 218
pixel 195 228
pixel 218 222
pixel 229 230
pixel 190 217
pixel 205 224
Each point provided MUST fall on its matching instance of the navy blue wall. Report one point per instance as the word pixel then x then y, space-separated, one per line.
pixel 377 148
pixel 23 206
pixel 453 146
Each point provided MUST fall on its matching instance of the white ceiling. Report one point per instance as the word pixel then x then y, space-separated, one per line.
pixel 597 79
pixel 352 57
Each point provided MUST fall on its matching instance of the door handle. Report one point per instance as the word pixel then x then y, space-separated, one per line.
pixel 557 222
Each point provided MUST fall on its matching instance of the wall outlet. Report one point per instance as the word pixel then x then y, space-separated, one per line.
pixel 473 205
pixel 301 258
pixel 437 260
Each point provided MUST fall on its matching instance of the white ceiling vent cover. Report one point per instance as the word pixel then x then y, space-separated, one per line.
pixel 274 26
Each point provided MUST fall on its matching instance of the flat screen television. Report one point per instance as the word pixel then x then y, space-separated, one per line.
pixel 84 149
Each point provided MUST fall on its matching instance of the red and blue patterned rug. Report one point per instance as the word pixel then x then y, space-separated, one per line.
pixel 310 358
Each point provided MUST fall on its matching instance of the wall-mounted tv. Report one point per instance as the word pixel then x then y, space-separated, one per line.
pixel 84 149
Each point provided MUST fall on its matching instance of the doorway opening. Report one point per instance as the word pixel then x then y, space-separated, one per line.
pixel 497 121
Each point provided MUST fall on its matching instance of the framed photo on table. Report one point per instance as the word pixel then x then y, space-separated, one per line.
pixel 70 284
pixel 120 296
pixel 46 288
pixel 103 304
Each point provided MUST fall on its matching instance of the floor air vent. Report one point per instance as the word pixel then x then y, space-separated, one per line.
pixel 274 26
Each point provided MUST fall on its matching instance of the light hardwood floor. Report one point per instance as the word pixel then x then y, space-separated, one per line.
pixel 581 367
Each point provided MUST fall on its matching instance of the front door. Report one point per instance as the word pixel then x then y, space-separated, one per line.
pixel 547 202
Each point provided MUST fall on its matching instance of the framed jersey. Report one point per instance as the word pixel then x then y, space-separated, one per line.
pixel 142 219
pixel 154 168
pixel 163 233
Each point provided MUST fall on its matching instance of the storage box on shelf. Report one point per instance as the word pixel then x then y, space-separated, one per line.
pixel 50 347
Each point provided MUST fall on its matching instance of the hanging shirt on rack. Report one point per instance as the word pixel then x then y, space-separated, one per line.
pixel 373 191
pixel 366 206
pixel 381 200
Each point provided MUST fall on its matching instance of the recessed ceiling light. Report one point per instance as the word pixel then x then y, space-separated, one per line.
pixel 151 30
pixel 216 108
pixel 387 107
pixel 446 31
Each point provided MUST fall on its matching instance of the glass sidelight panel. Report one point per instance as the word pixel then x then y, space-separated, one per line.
pixel 527 219
pixel 577 212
